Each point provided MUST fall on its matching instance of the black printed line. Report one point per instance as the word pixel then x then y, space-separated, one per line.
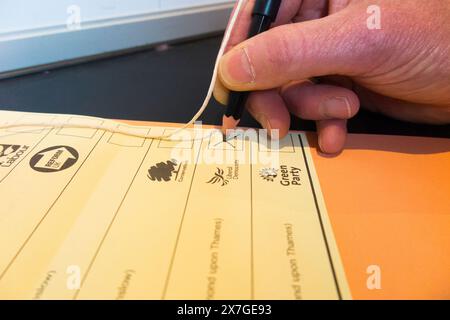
pixel 177 172
pixel 20 160
pixel 111 223
pixel 172 259
pixel 338 290
pixel 48 210
pixel 252 261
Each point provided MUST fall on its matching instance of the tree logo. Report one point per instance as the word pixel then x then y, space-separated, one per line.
pixel 163 171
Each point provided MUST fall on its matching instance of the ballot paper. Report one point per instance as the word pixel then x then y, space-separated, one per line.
pixel 90 214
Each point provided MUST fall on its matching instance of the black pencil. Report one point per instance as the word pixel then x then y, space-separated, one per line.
pixel 264 14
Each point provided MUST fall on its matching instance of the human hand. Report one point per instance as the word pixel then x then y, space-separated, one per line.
pixel 401 70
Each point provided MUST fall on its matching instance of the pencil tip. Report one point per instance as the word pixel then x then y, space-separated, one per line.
pixel 228 123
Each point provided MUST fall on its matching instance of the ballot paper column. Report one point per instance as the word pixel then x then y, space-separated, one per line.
pixel 32 201
pixel 294 253
pixel 134 260
pixel 63 214
pixel 212 259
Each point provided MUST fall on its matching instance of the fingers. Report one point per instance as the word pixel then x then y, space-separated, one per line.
pixel 337 5
pixel 320 102
pixel 288 10
pixel 242 23
pixel 311 9
pixel 269 109
pixel 300 51
pixel 404 110
pixel 332 135
pixel 221 93
pixel 330 105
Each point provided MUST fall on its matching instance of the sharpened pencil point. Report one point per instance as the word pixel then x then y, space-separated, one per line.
pixel 228 123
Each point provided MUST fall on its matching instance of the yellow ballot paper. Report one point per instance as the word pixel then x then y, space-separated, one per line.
pixel 90 214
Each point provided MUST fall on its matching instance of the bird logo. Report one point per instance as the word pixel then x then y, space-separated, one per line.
pixel 218 178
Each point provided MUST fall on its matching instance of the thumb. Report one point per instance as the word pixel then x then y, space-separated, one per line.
pixel 337 44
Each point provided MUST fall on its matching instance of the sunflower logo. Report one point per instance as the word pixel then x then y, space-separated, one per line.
pixel 268 174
